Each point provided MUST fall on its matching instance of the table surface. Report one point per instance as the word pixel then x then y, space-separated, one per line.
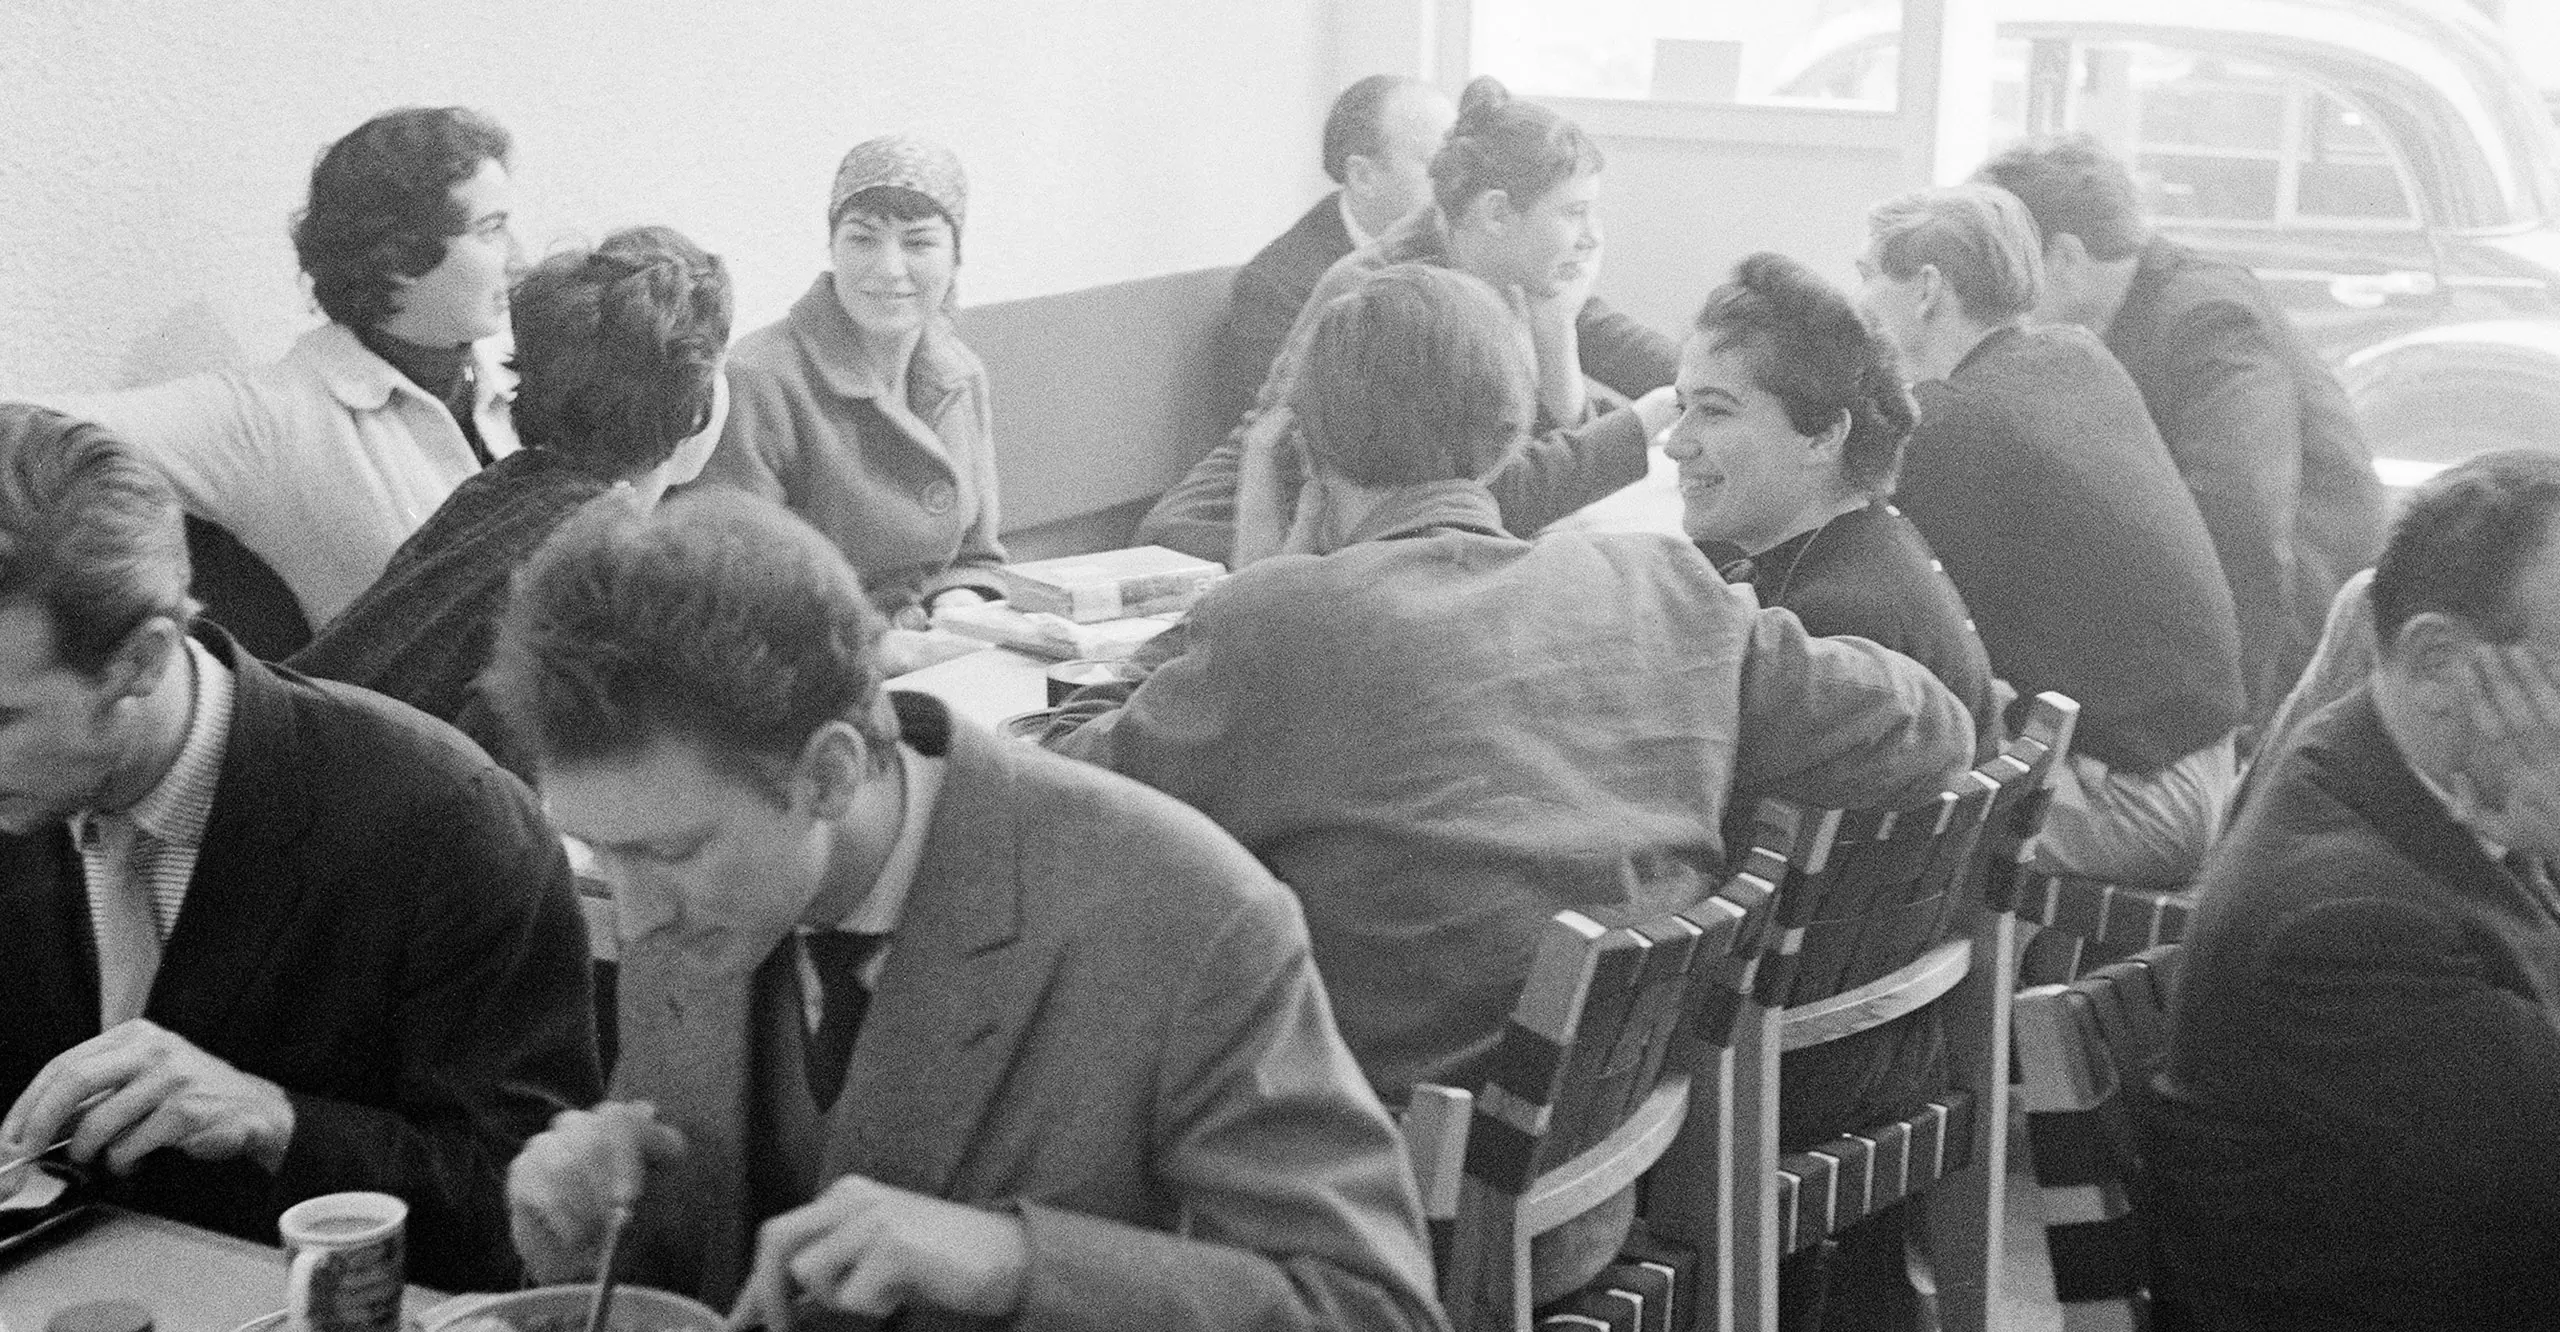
pixel 985 686
pixel 192 1280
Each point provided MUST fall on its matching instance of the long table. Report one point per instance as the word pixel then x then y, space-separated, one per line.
pixel 986 686
pixel 192 1280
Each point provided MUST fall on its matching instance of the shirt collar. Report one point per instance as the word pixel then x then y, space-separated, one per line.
pixel 1414 510
pixel 1361 239
pixel 364 382
pixel 817 319
pixel 175 810
pixel 880 909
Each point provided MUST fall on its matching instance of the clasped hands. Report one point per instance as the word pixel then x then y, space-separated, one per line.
pixel 137 1088
pixel 861 1246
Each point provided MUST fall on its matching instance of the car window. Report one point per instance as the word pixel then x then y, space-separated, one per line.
pixel 2213 139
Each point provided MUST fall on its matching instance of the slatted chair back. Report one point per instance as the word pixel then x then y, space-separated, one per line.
pixel 2083 922
pixel 2086 1054
pixel 1590 1084
pixel 1882 918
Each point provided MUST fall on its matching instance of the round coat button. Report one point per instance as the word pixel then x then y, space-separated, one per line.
pixel 939 497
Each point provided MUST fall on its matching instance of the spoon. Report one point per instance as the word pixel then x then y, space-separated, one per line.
pixel 603 1300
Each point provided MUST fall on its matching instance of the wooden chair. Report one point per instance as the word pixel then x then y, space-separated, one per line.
pixel 2081 922
pixel 2086 1053
pixel 1880 917
pixel 1592 1081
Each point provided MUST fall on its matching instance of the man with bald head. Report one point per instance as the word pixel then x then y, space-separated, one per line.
pixel 1378 142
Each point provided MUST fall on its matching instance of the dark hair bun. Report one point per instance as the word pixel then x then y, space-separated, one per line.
pixel 1484 96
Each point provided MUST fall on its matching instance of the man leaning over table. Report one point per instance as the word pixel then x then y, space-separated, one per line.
pixel 914 1016
pixel 267 937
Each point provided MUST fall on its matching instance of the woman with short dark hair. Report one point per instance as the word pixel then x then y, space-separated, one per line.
pixel 620 348
pixel 1793 414
pixel 1792 419
pixel 862 411
pixel 325 461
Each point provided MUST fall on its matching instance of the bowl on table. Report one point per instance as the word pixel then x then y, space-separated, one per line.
pixel 564 1309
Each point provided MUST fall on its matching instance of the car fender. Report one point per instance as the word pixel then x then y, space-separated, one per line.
pixel 2434 396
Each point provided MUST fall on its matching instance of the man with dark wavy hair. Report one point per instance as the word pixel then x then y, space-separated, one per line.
pixel 916 1017
pixel 323 462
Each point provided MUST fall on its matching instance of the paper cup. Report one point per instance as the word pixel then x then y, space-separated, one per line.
pixel 349 1261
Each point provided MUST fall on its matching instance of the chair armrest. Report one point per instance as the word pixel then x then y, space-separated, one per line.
pixel 1435 1140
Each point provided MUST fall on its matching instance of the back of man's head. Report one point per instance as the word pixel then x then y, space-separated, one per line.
pixel 718 619
pixel 88 531
pixel 2072 185
pixel 1416 375
pixel 1978 237
pixel 2463 545
pixel 1357 123
pixel 381 205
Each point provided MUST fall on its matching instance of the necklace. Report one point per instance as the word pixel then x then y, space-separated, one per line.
pixel 1788 578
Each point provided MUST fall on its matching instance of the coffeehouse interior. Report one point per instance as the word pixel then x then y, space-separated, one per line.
pixel 1456 665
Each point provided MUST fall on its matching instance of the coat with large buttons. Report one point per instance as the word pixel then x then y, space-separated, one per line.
pixel 914 513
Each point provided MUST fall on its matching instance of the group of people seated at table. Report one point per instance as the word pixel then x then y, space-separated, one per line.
pixel 917 1017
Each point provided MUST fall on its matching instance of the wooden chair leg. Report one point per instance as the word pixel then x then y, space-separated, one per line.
pixel 1959 1222
pixel 1689 1195
pixel 1757 1247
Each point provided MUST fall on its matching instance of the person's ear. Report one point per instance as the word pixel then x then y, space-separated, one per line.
pixel 141 661
pixel 1359 175
pixel 2432 651
pixel 1492 211
pixel 1933 296
pixel 1829 446
pixel 833 764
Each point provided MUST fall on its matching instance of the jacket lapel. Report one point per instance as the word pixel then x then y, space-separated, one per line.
pixel 243 890
pixel 961 986
pixel 45 952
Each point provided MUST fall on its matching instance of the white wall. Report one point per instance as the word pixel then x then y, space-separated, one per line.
pixel 151 150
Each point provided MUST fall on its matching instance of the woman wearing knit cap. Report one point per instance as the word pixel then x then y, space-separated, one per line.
pixel 861 411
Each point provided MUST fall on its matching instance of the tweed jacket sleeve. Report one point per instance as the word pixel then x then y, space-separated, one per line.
pixel 1298 1212
pixel 1842 723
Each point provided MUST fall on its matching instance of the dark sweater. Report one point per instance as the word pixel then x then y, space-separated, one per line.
pixel 2036 475
pixel 421 633
pixel 1869 573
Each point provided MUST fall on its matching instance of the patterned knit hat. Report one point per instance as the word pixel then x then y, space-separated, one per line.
pixel 907 163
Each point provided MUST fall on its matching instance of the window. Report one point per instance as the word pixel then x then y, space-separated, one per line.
pixel 2213 139
pixel 1834 53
